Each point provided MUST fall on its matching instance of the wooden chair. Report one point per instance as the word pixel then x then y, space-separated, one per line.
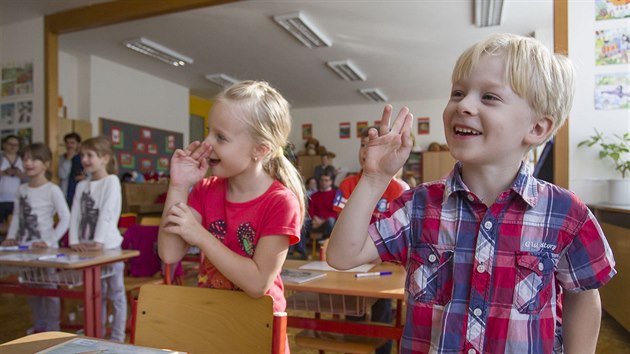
pixel 202 320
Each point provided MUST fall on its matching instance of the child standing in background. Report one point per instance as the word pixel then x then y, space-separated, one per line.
pixel 244 217
pixel 497 261
pixel 36 204
pixel 95 213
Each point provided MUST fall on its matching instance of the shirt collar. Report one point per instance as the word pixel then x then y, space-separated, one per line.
pixel 525 185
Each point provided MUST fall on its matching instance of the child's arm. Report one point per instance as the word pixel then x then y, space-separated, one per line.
pixel 349 244
pixel 581 317
pixel 253 275
pixel 63 213
pixel 188 166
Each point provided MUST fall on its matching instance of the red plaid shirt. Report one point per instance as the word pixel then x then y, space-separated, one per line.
pixel 487 280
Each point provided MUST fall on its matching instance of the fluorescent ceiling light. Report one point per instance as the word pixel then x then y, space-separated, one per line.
pixel 374 95
pixel 347 70
pixel 303 29
pixel 157 51
pixel 222 79
pixel 488 12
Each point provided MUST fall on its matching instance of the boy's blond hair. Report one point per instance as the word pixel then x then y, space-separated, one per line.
pixel 546 80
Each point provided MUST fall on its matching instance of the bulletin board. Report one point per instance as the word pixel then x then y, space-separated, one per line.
pixel 141 148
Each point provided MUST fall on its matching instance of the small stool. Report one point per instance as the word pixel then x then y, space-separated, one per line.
pixel 315 237
pixel 342 343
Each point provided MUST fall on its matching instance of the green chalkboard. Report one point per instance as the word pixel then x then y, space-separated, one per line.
pixel 141 148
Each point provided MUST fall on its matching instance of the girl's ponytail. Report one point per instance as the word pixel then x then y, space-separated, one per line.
pixel 280 168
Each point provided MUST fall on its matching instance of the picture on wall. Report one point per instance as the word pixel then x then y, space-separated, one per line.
pixel 145 134
pixel 612 46
pixel 24 111
pixel 611 9
pixel 7 114
pixel 169 146
pixel 612 91
pixel 25 135
pixel 424 125
pixel 162 164
pixel 146 165
pixel 17 79
pixel 152 149
pixel 344 130
pixel 139 147
pixel 127 160
pixel 360 126
pixel 307 131
pixel 117 138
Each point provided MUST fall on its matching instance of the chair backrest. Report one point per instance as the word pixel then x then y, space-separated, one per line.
pixel 150 220
pixel 202 320
pixel 144 239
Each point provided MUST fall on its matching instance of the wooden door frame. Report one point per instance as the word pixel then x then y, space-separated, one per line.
pixel 110 13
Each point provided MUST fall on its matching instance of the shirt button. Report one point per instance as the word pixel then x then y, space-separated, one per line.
pixel 432 258
pixel 477 312
pixel 487 225
pixel 472 351
pixel 541 267
pixel 481 268
pixel 470 197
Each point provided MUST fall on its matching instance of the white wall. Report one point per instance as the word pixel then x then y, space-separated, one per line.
pixel 69 85
pixel 586 171
pixel 20 43
pixel 325 121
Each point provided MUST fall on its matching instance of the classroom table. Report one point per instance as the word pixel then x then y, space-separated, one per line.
pixel 345 283
pixel 85 272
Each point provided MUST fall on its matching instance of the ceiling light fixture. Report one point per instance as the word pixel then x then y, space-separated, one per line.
pixel 374 95
pixel 157 51
pixel 303 29
pixel 347 70
pixel 488 12
pixel 221 79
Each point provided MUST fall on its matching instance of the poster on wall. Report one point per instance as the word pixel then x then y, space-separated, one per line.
pixel 612 46
pixel 25 135
pixel 611 9
pixel 612 91
pixel 7 114
pixel 17 79
pixel 307 131
pixel 344 130
pixel 424 125
pixel 360 126
pixel 24 112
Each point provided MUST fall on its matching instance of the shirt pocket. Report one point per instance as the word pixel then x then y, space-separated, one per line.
pixel 534 281
pixel 430 275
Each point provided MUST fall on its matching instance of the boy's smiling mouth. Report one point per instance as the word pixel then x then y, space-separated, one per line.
pixel 465 131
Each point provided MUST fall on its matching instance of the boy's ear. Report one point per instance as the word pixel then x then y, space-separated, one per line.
pixel 539 130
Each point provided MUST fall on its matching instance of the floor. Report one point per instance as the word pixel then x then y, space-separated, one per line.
pixel 14 310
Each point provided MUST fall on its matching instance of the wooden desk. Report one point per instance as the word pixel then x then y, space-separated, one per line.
pixel 86 272
pixel 615 222
pixel 345 283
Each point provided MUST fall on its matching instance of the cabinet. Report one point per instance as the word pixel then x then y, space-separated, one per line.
pixel 425 166
pixel 307 164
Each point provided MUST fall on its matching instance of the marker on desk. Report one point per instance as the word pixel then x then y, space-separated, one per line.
pixel 14 248
pixel 50 256
pixel 373 274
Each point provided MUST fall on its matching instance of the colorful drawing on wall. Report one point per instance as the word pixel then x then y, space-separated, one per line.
pixel 17 79
pixel 139 147
pixel 170 143
pixel 152 149
pixel 307 131
pixel 7 114
pixel 424 125
pixel 6 132
pixel 611 9
pixel 145 134
pixel 612 91
pixel 344 130
pixel 117 137
pixel 25 135
pixel 146 165
pixel 162 164
pixel 127 160
pixel 612 46
pixel 24 111
pixel 360 126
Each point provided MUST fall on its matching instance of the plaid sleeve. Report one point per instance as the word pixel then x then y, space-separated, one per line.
pixel 588 262
pixel 392 233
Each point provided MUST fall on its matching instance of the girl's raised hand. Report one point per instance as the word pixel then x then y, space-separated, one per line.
pixel 189 165
pixel 388 149
pixel 181 221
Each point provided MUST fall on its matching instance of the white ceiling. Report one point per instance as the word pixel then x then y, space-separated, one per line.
pixel 405 48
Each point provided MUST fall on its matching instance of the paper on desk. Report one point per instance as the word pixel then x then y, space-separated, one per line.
pixel 322 265
pixel 66 258
pixel 24 257
pixel 84 345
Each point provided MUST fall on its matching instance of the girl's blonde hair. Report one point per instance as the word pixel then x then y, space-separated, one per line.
pixel 41 152
pixel 546 80
pixel 103 147
pixel 266 114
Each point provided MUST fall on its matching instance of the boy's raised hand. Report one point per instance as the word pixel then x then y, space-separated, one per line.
pixel 388 149
pixel 189 165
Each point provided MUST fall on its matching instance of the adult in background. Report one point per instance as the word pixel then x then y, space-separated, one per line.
pixel 11 174
pixel 66 161
pixel 325 167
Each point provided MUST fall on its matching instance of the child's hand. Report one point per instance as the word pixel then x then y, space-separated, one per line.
pixel 388 150
pixel 189 166
pixel 79 247
pixel 11 242
pixel 39 244
pixel 181 221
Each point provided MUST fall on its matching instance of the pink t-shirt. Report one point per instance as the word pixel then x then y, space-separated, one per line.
pixel 240 225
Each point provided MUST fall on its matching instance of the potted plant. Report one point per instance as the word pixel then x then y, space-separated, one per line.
pixel 617 150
